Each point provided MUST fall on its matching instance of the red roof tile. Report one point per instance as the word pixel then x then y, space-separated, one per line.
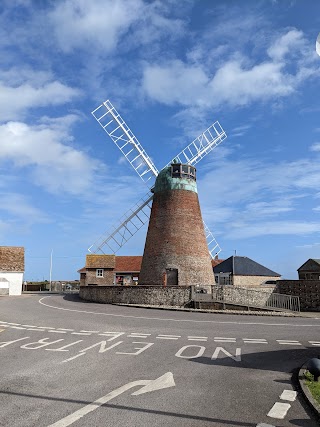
pixel 128 263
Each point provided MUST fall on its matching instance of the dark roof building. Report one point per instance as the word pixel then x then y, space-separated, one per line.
pixel 243 271
pixel 310 270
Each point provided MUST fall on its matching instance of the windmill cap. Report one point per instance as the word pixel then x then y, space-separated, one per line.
pixel 168 180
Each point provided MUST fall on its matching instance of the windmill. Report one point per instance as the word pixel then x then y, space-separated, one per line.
pixel 179 173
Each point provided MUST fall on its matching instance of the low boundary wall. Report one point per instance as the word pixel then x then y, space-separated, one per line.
pixel 173 296
pixel 307 290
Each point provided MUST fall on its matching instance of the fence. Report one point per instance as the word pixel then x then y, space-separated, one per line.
pixel 246 297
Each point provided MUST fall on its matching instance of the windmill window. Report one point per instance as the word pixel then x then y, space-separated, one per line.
pixel 99 272
pixel 183 171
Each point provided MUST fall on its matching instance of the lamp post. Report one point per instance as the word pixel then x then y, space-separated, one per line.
pixel 51 268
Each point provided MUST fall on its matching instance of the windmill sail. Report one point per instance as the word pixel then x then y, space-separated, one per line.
pixel 120 133
pixel 202 145
pixel 128 226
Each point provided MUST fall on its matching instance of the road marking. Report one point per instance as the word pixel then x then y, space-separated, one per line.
pixel 90 332
pixel 236 358
pixel 222 339
pixel 80 333
pixel 65 346
pixel 57 332
pixel 138 335
pixel 1 330
pixel 15 324
pixel 17 327
pixel 113 335
pixel 46 327
pixel 279 410
pixel 288 342
pixel 289 395
pixel 168 337
pixel 30 326
pixel 315 343
pixel 34 329
pixel 179 320
pixel 64 329
pixel 165 381
pixel 72 358
pixel 192 338
pixel 255 341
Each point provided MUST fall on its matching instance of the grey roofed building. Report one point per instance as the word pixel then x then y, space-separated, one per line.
pixel 243 271
pixel 310 270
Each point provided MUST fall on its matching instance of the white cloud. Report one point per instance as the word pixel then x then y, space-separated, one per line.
pixel 101 24
pixel 240 230
pixel 18 206
pixel 20 91
pixel 237 81
pixel 315 147
pixel 79 23
pixel 291 42
pixel 54 165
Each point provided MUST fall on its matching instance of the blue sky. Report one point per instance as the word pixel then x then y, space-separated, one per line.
pixel 171 68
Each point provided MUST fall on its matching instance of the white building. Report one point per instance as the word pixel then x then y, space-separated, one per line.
pixel 11 270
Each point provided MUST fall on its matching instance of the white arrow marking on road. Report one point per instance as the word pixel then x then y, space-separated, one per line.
pixel 165 381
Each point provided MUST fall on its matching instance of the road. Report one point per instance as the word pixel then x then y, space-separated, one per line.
pixel 69 362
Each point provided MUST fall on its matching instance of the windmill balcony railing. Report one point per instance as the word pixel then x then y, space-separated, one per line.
pixel 254 298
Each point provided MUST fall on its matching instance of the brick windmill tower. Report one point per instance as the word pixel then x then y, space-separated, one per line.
pixel 179 246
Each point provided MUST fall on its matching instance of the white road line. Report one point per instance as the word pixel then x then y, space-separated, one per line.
pixel 221 339
pixel 288 342
pixel 198 339
pixel 195 337
pixel 264 425
pixel 30 326
pixel 74 357
pixel 168 335
pixel 57 332
pixel 17 327
pixel 137 336
pixel 15 324
pixel 289 395
pixel 167 319
pixel 81 333
pixel 279 410
pixel 46 327
pixel 64 329
pixel 167 338
pixel 315 343
pixel 255 341
pixel 139 333
pixel 91 332
pixel 38 330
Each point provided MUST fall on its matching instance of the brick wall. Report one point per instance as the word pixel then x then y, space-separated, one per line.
pixel 149 295
pixel 12 258
pixel 307 290
pixel 176 240
pixel 91 277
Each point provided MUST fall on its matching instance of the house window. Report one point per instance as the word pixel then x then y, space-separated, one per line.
pixel 99 272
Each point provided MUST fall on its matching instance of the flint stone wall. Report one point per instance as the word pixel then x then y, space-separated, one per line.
pixel 173 296
pixel 307 290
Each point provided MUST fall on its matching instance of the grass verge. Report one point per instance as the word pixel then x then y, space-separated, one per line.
pixel 313 386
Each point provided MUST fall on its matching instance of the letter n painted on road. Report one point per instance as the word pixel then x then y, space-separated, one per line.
pixel 236 358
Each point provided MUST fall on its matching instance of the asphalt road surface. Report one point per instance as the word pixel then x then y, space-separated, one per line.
pixel 66 362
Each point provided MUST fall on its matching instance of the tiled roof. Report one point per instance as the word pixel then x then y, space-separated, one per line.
pixel 128 263
pixel 100 261
pixel 12 258
pixel 244 266
pixel 309 263
pixel 215 262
